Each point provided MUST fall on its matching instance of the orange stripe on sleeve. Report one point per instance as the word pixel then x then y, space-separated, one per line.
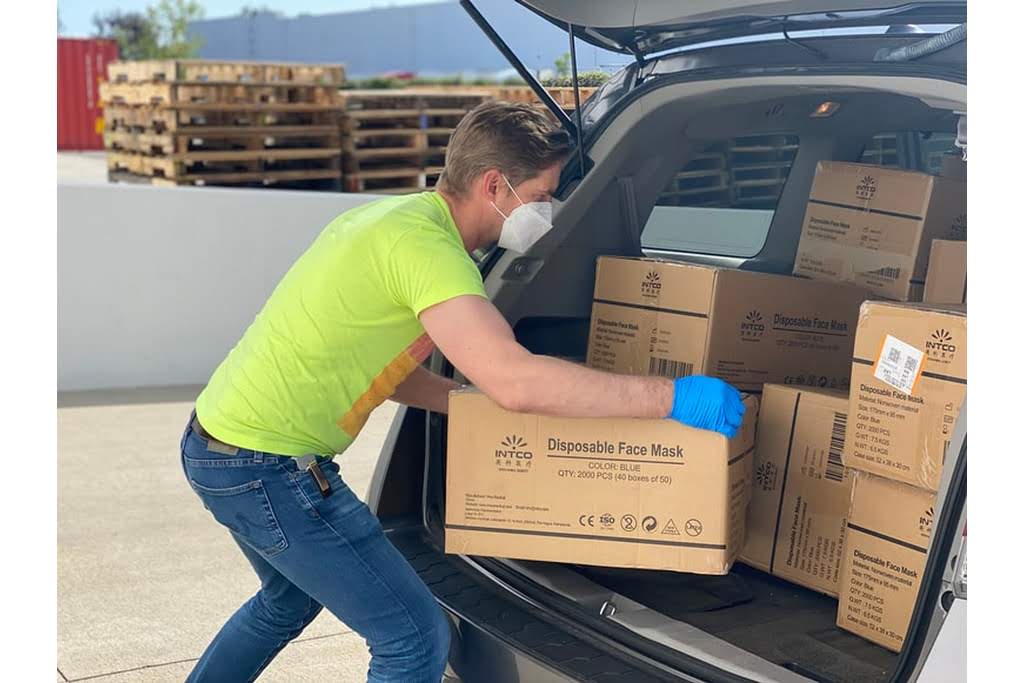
pixel 385 383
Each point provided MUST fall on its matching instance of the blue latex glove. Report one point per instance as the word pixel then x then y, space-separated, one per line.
pixel 707 403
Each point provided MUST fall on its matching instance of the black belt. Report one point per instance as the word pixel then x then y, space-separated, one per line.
pixel 302 462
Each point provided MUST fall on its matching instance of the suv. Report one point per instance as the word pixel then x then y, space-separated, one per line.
pixel 703 149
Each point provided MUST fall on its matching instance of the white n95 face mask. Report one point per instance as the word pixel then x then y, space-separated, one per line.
pixel 526 224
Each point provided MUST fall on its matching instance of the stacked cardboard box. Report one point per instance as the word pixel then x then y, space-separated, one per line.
pixel 674 319
pixel 874 226
pixel 839 493
pixel 796 522
pixel 902 235
pixel 909 381
pixel 946 281
pixel 909 378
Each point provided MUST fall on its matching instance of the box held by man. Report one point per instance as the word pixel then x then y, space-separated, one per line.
pixel 636 493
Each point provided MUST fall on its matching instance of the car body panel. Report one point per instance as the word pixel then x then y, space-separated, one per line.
pixel 645 27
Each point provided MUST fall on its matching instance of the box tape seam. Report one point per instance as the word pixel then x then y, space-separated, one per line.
pixel 656 309
pixel 785 476
pixel 883 537
pixel 865 209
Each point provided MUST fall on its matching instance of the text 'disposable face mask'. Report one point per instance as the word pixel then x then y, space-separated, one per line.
pixel 524 225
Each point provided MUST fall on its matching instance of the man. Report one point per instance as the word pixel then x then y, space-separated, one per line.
pixel 347 328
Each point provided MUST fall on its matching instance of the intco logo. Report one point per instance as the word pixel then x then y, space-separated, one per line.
pixel 752 325
pixel 514 447
pixel 651 284
pixel 924 524
pixel 766 475
pixel 512 456
pixel 941 345
pixel 866 188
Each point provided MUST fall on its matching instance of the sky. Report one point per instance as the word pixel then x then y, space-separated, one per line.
pixel 76 15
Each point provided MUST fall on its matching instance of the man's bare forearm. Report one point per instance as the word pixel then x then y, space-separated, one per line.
pixel 424 389
pixel 550 386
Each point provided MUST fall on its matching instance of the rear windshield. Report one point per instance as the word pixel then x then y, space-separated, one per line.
pixel 912 150
pixel 723 199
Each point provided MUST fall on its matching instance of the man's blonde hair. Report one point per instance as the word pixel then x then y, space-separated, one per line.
pixel 517 139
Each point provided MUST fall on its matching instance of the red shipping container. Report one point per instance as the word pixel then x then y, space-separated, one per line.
pixel 81 65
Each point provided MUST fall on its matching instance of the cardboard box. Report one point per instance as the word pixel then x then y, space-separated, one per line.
pixel 873 226
pixel 650 494
pixel 884 558
pixel 946 281
pixel 674 319
pixel 796 521
pixel 909 379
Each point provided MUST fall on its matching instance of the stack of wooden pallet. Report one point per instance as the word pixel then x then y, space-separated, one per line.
pixel 746 172
pixel 395 140
pixel 194 122
pixel 565 97
pixel 759 165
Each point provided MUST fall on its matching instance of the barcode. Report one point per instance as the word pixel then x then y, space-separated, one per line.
pixel 894 355
pixel 888 272
pixel 669 368
pixel 834 470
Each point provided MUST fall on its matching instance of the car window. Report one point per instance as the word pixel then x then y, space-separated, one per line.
pixel 723 199
pixel 911 150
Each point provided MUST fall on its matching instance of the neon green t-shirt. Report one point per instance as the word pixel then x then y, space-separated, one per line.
pixel 341 330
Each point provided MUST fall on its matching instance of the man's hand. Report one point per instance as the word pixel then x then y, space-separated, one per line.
pixel 475 337
pixel 708 403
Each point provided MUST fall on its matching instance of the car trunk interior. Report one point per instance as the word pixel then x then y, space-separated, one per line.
pixel 746 611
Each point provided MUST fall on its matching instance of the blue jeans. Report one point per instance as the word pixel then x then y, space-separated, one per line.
pixel 311 552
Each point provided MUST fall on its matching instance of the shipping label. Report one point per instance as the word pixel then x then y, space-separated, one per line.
pixel 899 364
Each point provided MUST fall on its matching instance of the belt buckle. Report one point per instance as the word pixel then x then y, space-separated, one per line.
pixel 318 476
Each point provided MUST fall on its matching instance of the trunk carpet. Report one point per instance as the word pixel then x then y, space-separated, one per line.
pixel 779 621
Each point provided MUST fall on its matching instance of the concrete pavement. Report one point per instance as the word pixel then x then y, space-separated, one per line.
pixel 145 576
pixel 81 167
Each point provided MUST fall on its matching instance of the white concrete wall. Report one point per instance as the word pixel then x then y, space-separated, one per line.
pixel 155 285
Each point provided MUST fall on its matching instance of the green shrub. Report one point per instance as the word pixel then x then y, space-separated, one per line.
pixel 587 79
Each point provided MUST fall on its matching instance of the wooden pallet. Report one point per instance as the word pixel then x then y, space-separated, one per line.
pixel 396 180
pixel 773 171
pixel 126 162
pixel 160 119
pixel 293 179
pixel 395 141
pixel 233 71
pixel 374 142
pixel 413 98
pixel 199 138
pixel 171 164
pixel 215 92
pixel 757 193
pixel 883 150
pixel 209 122
pixel 563 96
pixel 762 149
